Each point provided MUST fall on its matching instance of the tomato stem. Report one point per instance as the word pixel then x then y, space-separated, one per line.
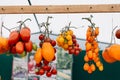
pixel 2 26
pixel 23 23
pixel 46 26
pixel 112 36
pixel 90 20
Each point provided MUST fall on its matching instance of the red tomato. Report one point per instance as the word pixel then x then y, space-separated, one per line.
pixel 54 71
pixel 54 58
pixel 53 43
pixel 48 74
pixel 49 68
pixel 13 38
pixel 13 50
pixel 41 37
pixel 45 67
pixel 25 34
pixel 77 52
pixel 41 71
pixel 117 34
pixel 19 47
pixel 45 62
pixel 28 46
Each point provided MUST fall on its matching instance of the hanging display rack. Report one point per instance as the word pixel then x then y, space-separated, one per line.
pixel 54 9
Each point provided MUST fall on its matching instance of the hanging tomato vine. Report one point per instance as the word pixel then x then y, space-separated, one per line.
pixel 92 48
pixel 18 43
pixel 67 40
pixel 19 39
pixel 111 53
pixel 45 54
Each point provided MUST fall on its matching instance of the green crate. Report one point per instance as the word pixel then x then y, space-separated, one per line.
pixel 111 71
pixel 6 66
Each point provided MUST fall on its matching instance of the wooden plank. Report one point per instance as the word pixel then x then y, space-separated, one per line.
pixel 57 9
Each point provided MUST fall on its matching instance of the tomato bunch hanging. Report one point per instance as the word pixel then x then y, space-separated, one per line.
pixel 111 53
pixel 92 49
pixel 45 54
pixel 19 40
pixel 67 40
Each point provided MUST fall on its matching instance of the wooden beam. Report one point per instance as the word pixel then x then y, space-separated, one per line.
pixel 53 9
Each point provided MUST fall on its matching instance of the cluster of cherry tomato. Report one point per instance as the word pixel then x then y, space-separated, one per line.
pixel 67 40
pixel 46 67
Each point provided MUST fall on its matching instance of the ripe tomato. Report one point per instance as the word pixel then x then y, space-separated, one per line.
pixel 45 62
pixel 47 40
pixel 38 65
pixel 117 34
pixel 41 37
pixel 41 71
pixel 19 47
pixel 13 38
pixel 25 34
pixel 48 74
pixel 72 51
pixel 70 47
pixel 13 50
pixel 28 46
pixel 76 48
pixel 45 67
pixel 54 71
pixel 53 43
pixel 37 73
pixel 77 52
pixel 73 37
pixel 49 68
pixel 74 40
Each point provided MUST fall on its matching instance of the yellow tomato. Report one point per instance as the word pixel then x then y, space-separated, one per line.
pixel 101 68
pixel 70 32
pixel 70 42
pixel 69 37
pixel 61 40
pixel 90 54
pixel 86 66
pixel 92 67
pixel 98 63
pixel 65 46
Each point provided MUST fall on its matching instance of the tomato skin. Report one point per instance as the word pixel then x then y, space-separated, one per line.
pixel 117 34
pixel 47 40
pixel 19 47
pixel 28 46
pixel 13 38
pixel 41 37
pixel 41 71
pixel 13 50
pixel 54 58
pixel 25 34
pixel 46 67
pixel 45 62
pixel 53 43
pixel 48 74
pixel 54 71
